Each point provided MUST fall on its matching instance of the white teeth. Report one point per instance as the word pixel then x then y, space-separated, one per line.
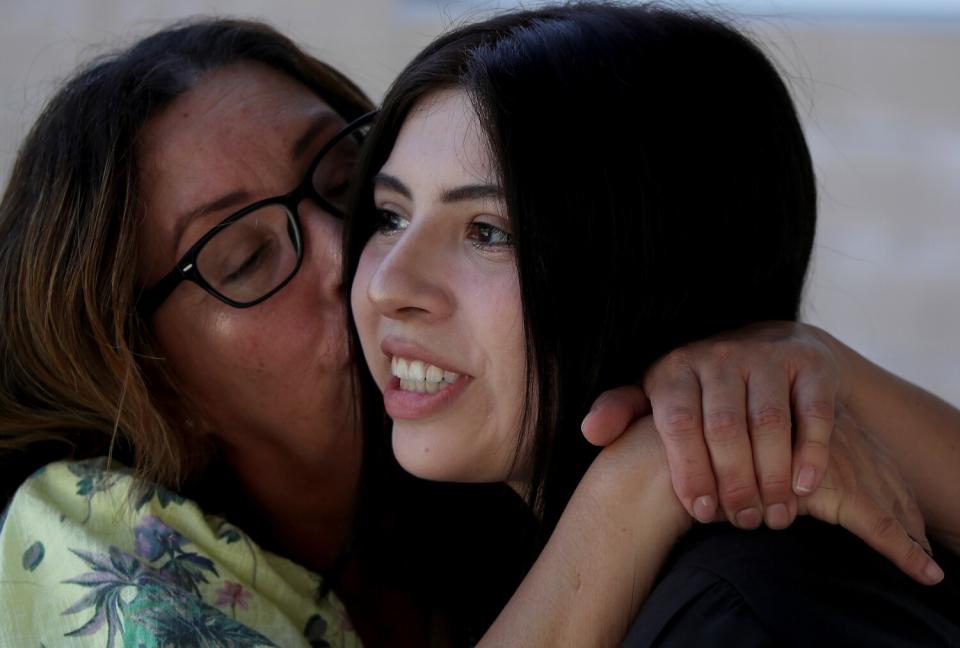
pixel 420 376
pixel 416 371
pixel 434 374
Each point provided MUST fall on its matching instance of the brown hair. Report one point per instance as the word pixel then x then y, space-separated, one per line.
pixel 72 380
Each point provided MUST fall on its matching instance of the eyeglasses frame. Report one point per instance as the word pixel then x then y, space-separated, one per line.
pixel 186 268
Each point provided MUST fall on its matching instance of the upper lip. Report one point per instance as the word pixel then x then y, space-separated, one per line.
pixel 393 346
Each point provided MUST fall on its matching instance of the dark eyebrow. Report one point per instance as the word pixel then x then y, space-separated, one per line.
pixel 319 125
pixel 472 192
pixel 234 198
pixel 394 184
pixel 457 194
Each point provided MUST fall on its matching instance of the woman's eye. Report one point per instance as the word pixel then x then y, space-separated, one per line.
pixel 486 235
pixel 390 222
pixel 248 265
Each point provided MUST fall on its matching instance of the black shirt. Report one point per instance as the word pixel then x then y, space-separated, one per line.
pixel 811 585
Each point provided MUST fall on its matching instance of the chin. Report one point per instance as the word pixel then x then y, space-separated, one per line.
pixel 421 456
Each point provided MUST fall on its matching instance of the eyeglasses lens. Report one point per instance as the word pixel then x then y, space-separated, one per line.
pixel 251 257
pixel 334 171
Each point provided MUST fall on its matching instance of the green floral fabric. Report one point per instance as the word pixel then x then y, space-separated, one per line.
pixel 89 557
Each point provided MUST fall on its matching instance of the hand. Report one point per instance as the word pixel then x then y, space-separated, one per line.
pixel 863 491
pixel 723 409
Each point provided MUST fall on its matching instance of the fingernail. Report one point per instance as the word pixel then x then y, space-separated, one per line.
pixel 778 517
pixel 749 518
pixel 933 573
pixel 704 508
pixel 806 479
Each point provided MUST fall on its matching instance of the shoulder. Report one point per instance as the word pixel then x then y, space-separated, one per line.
pixel 89 552
pixel 812 584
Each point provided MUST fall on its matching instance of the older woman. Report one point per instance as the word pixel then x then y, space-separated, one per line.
pixel 139 325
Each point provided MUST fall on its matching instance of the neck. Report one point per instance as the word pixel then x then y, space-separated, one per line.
pixel 300 504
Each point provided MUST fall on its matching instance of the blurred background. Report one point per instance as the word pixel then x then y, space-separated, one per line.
pixel 877 83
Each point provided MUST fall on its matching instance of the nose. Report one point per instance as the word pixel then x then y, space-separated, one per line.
pixel 411 279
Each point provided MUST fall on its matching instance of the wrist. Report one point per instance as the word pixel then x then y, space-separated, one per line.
pixel 630 481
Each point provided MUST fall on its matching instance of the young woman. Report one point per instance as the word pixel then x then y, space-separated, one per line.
pixel 118 338
pixel 550 201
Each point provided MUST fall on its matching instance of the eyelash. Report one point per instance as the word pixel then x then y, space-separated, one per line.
pixel 480 234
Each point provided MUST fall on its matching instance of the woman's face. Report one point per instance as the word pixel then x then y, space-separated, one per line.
pixel 276 373
pixel 437 301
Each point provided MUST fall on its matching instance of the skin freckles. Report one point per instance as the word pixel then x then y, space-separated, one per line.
pixel 270 376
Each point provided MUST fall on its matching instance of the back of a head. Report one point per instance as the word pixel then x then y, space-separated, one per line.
pixel 658 183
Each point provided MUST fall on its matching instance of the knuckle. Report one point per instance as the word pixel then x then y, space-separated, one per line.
pixel 722 426
pixel 696 482
pixel 769 418
pixel 884 527
pixel 818 448
pixel 819 409
pixel 680 423
pixel 774 484
pixel 737 493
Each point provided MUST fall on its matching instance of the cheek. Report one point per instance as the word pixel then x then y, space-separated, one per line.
pixel 212 342
pixel 365 316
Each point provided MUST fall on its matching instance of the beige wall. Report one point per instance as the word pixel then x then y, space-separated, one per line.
pixel 881 100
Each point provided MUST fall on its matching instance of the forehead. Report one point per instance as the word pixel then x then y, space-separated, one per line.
pixel 232 133
pixel 442 141
pixel 231 111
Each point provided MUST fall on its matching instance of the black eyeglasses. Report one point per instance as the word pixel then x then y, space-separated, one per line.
pixel 253 253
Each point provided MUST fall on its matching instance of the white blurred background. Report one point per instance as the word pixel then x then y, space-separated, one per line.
pixel 877 82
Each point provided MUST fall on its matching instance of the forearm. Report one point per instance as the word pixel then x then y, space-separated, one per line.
pixel 921 431
pixel 600 562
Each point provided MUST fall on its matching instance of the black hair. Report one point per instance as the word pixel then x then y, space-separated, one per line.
pixel 658 184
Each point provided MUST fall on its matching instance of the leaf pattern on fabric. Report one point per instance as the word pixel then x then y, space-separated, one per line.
pixel 155 540
pixel 163 615
pixel 149 585
pixel 141 497
pixel 93 478
pixel 226 532
pixel 111 581
pixel 33 556
pixel 155 606
pixel 232 595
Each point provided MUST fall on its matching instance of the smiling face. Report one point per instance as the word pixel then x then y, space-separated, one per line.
pixel 436 300
pixel 275 374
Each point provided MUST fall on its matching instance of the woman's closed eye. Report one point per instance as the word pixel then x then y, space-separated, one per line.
pixel 248 264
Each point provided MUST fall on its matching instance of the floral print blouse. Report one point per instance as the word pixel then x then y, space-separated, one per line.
pixel 90 557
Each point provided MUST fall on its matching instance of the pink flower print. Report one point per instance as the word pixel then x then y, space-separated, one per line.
pixel 234 595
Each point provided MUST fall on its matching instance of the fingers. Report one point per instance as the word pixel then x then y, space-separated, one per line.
pixel 676 413
pixel 612 413
pixel 814 395
pixel 725 432
pixel 884 532
pixel 768 407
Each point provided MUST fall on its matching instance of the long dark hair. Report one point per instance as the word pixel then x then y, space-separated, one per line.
pixel 73 378
pixel 659 187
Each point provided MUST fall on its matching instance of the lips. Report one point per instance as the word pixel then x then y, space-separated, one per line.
pixel 421 383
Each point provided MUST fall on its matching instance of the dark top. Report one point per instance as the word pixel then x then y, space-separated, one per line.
pixel 811 585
